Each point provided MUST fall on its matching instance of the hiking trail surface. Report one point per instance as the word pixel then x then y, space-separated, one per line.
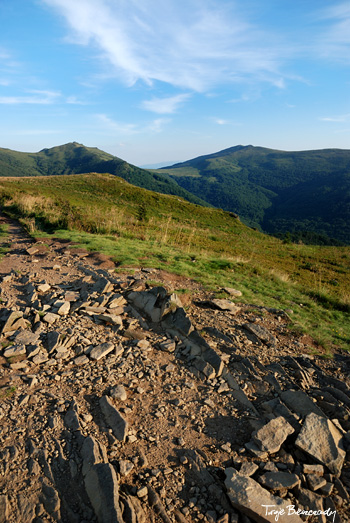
pixel 124 402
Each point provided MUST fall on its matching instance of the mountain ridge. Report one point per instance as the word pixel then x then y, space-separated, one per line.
pixel 265 187
pixel 76 158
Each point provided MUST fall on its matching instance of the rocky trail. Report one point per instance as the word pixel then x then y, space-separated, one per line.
pixel 126 402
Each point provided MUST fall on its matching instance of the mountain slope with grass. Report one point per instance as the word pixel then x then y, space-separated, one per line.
pixel 75 158
pixel 141 228
pixel 305 193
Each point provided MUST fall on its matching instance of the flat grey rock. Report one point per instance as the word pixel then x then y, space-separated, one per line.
pixel 224 305
pixel 101 350
pixel 299 402
pixel 114 419
pixel 103 490
pixel 118 392
pixel 11 320
pixel 253 500
pixel 260 332
pixel 272 435
pixel 26 338
pixel 279 480
pixel 320 439
pixel 248 469
pixel 14 350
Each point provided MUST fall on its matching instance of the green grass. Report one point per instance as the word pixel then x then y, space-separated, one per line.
pixel 102 213
pixel 4 244
pixel 7 393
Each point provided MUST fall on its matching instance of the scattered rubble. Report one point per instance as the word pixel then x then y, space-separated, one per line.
pixel 119 404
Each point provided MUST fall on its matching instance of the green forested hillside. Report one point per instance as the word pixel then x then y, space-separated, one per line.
pixel 277 191
pixel 74 158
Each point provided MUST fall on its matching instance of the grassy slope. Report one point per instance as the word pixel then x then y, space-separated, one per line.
pixel 276 190
pixel 142 228
pixel 74 158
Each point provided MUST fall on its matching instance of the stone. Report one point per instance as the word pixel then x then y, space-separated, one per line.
pixel 101 350
pixel 102 286
pixel 253 500
pixel 320 439
pixel 272 435
pixel 111 319
pixel 14 350
pixel 125 467
pixel 118 392
pixel 13 317
pixel 315 482
pixel 103 490
pixel 81 360
pixel 117 300
pixel 224 305
pixel 248 468
pixel 167 345
pixel 40 358
pixel 204 367
pixel 260 332
pixel 311 501
pixel 32 250
pixel 90 453
pixel 44 287
pixel 114 419
pixel 299 402
pixel 26 506
pixel 71 418
pixel 132 510
pixel 51 500
pixel 313 469
pixel 142 492
pixel 278 408
pixel 64 309
pixel 232 292
pixel 177 322
pixel 327 489
pixel 53 340
pixel 279 480
pixel 51 318
pixel 26 338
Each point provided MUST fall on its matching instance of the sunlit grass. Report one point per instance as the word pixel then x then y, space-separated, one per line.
pixel 138 228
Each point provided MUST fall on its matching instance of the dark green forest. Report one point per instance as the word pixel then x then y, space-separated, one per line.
pixel 306 193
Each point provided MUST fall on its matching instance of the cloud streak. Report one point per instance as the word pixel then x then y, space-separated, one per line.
pixel 165 105
pixel 191 45
pixel 36 97
pixel 127 129
pixel 335 41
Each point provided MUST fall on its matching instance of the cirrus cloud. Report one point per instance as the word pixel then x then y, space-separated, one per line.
pixel 192 45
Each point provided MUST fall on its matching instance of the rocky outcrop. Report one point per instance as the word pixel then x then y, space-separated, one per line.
pixel 118 403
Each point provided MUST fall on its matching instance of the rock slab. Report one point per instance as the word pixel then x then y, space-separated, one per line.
pixel 321 439
pixel 251 499
pixel 114 419
pixel 103 490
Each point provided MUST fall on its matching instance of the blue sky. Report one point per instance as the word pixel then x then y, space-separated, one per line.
pixel 167 80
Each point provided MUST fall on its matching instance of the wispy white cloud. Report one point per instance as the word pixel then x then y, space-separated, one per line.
pixel 337 119
pixel 73 100
pixel 192 45
pixel 34 97
pixel 335 39
pixel 117 127
pixel 126 129
pixel 165 105
pixel 157 125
